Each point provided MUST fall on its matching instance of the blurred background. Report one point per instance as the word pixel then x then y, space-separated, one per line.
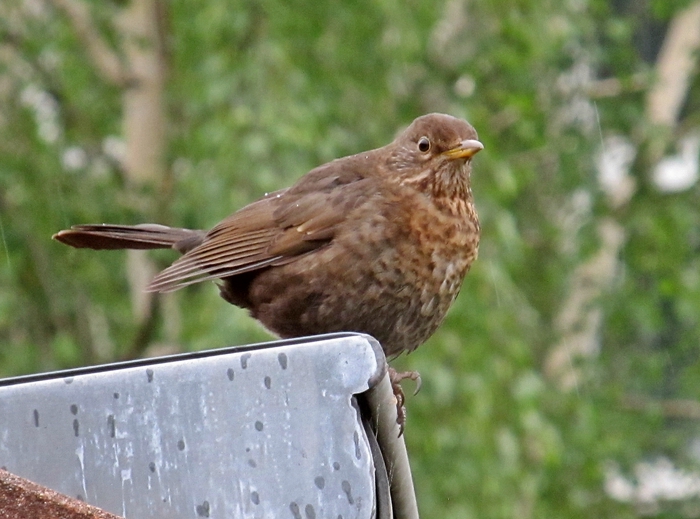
pixel 564 383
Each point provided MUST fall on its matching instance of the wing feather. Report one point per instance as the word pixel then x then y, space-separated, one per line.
pixel 275 230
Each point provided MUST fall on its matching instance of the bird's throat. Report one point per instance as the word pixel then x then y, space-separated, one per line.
pixel 452 192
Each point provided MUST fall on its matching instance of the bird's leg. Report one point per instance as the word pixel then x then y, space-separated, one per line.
pixel 395 378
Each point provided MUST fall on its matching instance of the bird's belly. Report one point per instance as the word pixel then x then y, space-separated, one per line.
pixel 397 292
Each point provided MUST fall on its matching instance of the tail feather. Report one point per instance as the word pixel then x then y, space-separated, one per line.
pixel 144 236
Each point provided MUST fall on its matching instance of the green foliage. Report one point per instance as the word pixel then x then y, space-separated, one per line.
pixel 258 93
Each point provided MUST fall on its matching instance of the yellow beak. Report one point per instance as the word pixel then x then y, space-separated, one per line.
pixel 466 149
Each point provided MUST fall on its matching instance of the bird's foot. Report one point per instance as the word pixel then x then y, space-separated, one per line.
pixel 395 378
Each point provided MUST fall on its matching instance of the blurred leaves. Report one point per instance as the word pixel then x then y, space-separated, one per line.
pixel 260 92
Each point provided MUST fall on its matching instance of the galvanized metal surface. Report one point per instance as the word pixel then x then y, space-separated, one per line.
pixel 267 431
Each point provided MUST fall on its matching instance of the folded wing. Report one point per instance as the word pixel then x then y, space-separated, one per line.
pixel 273 231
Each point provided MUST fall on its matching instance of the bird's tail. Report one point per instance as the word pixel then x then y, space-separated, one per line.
pixel 144 236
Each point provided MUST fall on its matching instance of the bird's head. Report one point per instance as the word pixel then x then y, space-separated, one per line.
pixel 434 156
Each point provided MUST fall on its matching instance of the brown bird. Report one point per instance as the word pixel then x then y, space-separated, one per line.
pixel 377 242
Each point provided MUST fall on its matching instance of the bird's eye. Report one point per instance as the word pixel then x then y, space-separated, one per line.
pixel 424 144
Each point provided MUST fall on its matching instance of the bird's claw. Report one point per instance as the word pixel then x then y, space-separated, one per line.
pixel 395 379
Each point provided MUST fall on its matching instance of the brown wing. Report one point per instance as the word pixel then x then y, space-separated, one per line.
pixel 272 231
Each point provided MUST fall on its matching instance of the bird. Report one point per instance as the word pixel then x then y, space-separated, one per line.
pixel 378 242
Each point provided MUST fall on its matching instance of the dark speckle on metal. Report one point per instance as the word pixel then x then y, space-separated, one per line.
pixel 203 509
pixel 111 426
pixel 244 360
pixel 230 374
pixel 282 358
pixel 149 375
pixel 345 485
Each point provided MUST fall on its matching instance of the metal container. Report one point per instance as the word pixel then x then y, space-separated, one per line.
pixel 280 429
